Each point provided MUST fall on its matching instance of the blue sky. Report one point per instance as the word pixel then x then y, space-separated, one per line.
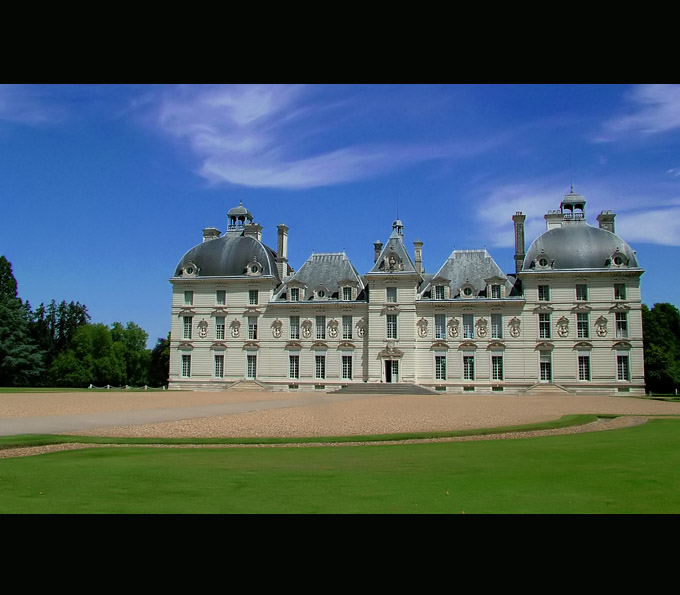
pixel 103 187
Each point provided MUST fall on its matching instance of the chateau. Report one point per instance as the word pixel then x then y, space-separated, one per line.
pixel 568 317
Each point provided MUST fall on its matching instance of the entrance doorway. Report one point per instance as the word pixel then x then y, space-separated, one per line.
pixel 546 367
pixel 391 370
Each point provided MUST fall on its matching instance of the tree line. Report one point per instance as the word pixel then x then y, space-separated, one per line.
pixel 57 344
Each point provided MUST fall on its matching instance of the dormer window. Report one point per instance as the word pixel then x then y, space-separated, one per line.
pixel 467 291
pixel 347 294
pixel 440 292
pixel 496 292
pixel 618 259
pixel 254 268
pixel 294 294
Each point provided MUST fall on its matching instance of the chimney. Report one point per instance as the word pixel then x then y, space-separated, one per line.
pixel 378 249
pixel 253 230
pixel 519 219
pixel 606 220
pixel 282 252
pixel 210 233
pixel 418 245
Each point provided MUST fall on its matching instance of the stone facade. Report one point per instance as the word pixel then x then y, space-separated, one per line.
pixel 568 317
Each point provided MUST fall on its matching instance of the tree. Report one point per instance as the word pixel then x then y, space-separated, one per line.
pixel 130 342
pixel 662 347
pixel 159 366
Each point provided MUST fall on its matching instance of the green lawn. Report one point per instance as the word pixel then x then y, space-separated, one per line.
pixel 634 470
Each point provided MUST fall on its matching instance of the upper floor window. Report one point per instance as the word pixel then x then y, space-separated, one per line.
pixel 621 325
pixel 187 327
pixel 294 327
pixel 544 293
pixel 188 298
pixel 253 297
pixel 219 328
pixel 440 326
pixel 252 327
pixel 582 293
pixel 391 294
pixel 468 326
pixel 320 327
pixel 496 326
pixel 392 326
pixel 582 325
pixel 221 297
pixel 346 327
pixel 544 326
pixel 619 291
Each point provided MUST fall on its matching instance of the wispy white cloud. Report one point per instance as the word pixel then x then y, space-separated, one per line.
pixel 278 136
pixel 20 104
pixel 652 109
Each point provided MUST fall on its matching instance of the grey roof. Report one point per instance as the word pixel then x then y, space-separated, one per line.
pixel 228 256
pixel 470 267
pixel 394 257
pixel 327 270
pixel 578 246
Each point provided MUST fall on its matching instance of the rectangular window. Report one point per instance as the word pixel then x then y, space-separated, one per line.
pixel 619 291
pixel 346 327
pixel 496 326
pixel 582 326
pixel 219 328
pixel 294 366
pixel 320 367
pixel 347 367
pixel 219 366
pixel 391 294
pixel 320 327
pixel 392 326
pixel 347 294
pixel 582 293
pixel 546 367
pixel 496 292
pixel 440 326
pixel 544 326
pixel 584 366
pixel 221 297
pixel 251 367
pixel 187 327
pixel 468 326
pixel 621 325
pixel 497 367
pixel 294 294
pixel 468 367
pixel 439 292
pixel 294 327
pixel 622 367
pixel 186 366
pixel 253 297
pixel 543 293
pixel 252 327
pixel 188 298
pixel 440 367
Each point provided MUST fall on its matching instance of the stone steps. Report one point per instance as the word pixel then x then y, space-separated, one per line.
pixel 385 388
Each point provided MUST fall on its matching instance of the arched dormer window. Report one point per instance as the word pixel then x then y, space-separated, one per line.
pixel 618 259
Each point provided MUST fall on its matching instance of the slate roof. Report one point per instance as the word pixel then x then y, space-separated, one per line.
pixel 394 257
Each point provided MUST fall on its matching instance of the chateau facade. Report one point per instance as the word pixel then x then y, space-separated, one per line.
pixel 569 315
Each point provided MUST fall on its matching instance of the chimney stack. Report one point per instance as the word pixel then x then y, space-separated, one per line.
pixel 378 249
pixel 418 245
pixel 210 233
pixel 282 251
pixel 606 220
pixel 519 219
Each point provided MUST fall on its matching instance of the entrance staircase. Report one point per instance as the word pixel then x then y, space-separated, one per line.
pixel 384 388
pixel 547 389
pixel 248 385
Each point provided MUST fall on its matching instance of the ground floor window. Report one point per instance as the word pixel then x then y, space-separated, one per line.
pixel 320 367
pixel 584 366
pixel 497 367
pixel 294 366
pixel 251 367
pixel 347 367
pixel 546 367
pixel 440 367
pixel 219 366
pixel 623 367
pixel 468 367
pixel 186 366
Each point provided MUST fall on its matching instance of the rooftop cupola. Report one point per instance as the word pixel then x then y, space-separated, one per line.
pixel 398 228
pixel 239 217
pixel 573 207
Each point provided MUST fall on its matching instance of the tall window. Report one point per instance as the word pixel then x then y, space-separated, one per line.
pixel 219 327
pixel 391 294
pixel 320 327
pixel 546 367
pixel 252 327
pixel 219 366
pixel 320 367
pixel 582 293
pixel 468 326
pixel 439 292
pixel 468 367
pixel 622 367
pixel 186 366
pixel 392 326
pixel 496 326
pixel 621 325
pixel 619 291
pixel 584 366
pixel 347 294
pixel 440 367
pixel 294 366
pixel 188 298
pixel 187 327
pixel 221 297
pixel 294 327
pixel 440 326
pixel 346 327
pixel 253 297
pixel 497 367
pixel 251 366
pixel 543 293
pixel 496 292
pixel 582 325
pixel 294 294
pixel 347 367
pixel 544 326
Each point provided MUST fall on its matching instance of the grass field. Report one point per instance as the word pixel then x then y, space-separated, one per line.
pixel 633 470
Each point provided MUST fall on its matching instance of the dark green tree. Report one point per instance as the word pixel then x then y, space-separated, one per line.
pixel 661 326
pixel 130 343
pixel 159 366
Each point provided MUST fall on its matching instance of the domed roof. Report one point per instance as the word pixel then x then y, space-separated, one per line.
pixel 229 256
pixel 579 246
